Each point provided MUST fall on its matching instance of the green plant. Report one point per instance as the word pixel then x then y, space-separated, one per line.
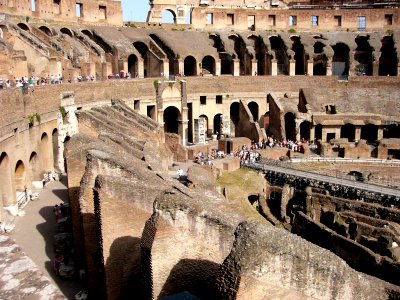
pixel 389 32
pixel 292 30
pixel 170 84
pixel 32 118
pixel 155 83
pixel 62 111
pixel 174 29
pixel 347 29
pixel 38 119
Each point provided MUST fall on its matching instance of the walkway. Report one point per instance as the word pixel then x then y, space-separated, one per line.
pixel 329 179
pixel 34 233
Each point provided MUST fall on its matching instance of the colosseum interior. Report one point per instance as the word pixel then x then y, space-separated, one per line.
pixel 253 153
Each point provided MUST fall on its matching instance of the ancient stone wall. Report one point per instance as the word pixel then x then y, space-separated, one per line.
pixel 84 11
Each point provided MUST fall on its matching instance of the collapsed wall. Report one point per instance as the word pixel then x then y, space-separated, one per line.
pixel 144 234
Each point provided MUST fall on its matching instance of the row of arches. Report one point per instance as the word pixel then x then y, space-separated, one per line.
pixel 17 177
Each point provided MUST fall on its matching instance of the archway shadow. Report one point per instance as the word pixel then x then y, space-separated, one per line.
pixel 123 269
pixel 196 276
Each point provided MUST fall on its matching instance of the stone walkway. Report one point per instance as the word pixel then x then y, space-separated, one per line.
pixel 34 233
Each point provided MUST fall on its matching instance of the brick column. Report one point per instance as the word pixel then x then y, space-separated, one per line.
pixel 292 67
pixel 274 67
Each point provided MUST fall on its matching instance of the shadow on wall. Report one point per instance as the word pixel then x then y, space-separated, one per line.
pixel 196 276
pixel 123 271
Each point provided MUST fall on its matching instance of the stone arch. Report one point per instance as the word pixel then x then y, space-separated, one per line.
pixel 54 141
pixel 152 65
pixel 340 60
pixel 7 196
pixel 66 31
pixel 217 123
pixel 234 113
pixel 388 60
pixel 206 125
pixel 358 176
pixel 391 131
pixel 171 116
pixel 299 55
pixel 348 131
pixel 168 16
pixel 305 128
pixel 226 64
pixel 133 65
pixel 318 132
pixel 46 30
pixel 46 152
pixel 320 60
pixel 363 55
pixel 242 54
pixel 279 48
pixel 274 204
pixel 20 176
pixel 35 167
pixel 88 33
pixel 190 66
pixel 369 133
pixel 23 26
pixel 290 126
pixel 262 55
pixel 208 65
pixel 253 107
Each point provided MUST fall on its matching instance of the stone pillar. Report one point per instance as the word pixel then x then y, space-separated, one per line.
pixel 159 104
pixel 358 133
pixel 225 125
pixel 297 129
pixel 274 67
pixel 329 67
pixel 183 126
pixel 106 69
pixel 254 67
pixel 154 16
pixel 292 67
pixel 180 16
pixel 310 67
pixel 166 67
pixel 375 66
pixel 218 67
pixel 312 133
pixel 90 69
pixel 398 69
pixel 140 68
pixel 380 133
pixel 236 67
pixel 122 65
pixel 181 66
pixel 199 136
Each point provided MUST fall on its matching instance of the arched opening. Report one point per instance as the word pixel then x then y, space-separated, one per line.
pixel 171 116
pixel 242 53
pixel 340 60
pixel 290 126
pixel 46 30
pixel 66 140
pixel 46 153
pixel 318 132
pixel 253 106
pixel 299 55
pixel 274 204
pixel 305 128
pixel 388 60
pixel 66 31
pixel 23 26
pixel 234 116
pixel 348 131
pixel 54 140
pixel 7 197
pixel 363 55
pixel 88 33
pixel 262 55
pixel 391 131
pixel 168 17
pixel 226 64
pixel 19 176
pixel 208 65
pixel 35 167
pixel 133 65
pixel 205 124
pixel 278 46
pixel 320 60
pixel 152 65
pixel 190 66
pixel 173 63
pixel 217 123
pixel 358 176
pixel 369 133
